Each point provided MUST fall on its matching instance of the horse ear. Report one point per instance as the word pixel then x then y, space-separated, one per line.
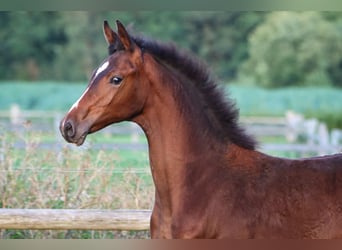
pixel 112 38
pixel 125 38
pixel 110 35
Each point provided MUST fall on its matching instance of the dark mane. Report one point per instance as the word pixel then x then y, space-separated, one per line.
pixel 221 113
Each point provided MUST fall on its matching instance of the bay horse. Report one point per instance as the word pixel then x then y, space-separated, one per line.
pixel 210 181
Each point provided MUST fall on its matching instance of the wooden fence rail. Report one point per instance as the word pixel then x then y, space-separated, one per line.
pixel 77 219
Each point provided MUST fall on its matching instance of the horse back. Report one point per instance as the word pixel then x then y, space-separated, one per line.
pixel 282 198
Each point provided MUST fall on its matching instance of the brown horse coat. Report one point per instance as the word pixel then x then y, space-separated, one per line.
pixel 210 181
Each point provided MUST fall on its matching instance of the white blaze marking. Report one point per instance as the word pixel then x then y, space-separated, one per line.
pixel 78 101
pixel 99 70
pixel 102 68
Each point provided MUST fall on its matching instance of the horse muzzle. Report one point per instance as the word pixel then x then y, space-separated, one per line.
pixel 72 133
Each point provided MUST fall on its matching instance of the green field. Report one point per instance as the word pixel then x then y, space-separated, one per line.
pixel 322 103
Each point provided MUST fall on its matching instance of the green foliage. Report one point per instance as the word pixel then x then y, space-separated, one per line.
pixel 68 45
pixel 295 49
pixel 275 49
pixel 222 48
pixel 86 46
pixel 220 38
pixel 29 42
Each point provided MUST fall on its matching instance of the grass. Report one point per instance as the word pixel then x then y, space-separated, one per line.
pixel 69 179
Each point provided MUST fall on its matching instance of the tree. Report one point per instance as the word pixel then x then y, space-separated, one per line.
pixel 29 42
pixel 68 45
pixel 293 48
pixel 220 38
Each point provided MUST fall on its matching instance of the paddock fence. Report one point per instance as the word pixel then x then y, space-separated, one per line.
pixel 75 219
pixel 302 136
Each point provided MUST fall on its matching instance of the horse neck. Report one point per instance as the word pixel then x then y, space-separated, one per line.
pixel 177 151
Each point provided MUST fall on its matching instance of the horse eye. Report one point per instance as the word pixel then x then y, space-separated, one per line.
pixel 116 80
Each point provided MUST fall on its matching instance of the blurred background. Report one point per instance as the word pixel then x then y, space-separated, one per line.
pixel 283 69
pixel 262 52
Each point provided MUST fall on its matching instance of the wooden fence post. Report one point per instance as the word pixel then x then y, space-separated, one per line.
pixel 323 138
pixel 15 114
pixel 335 137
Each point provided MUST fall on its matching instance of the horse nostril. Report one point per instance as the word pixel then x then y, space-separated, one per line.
pixel 69 130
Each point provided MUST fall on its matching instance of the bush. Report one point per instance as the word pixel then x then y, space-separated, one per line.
pixel 294 49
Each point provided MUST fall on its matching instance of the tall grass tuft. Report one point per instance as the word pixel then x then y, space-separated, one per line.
pixel 31 177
